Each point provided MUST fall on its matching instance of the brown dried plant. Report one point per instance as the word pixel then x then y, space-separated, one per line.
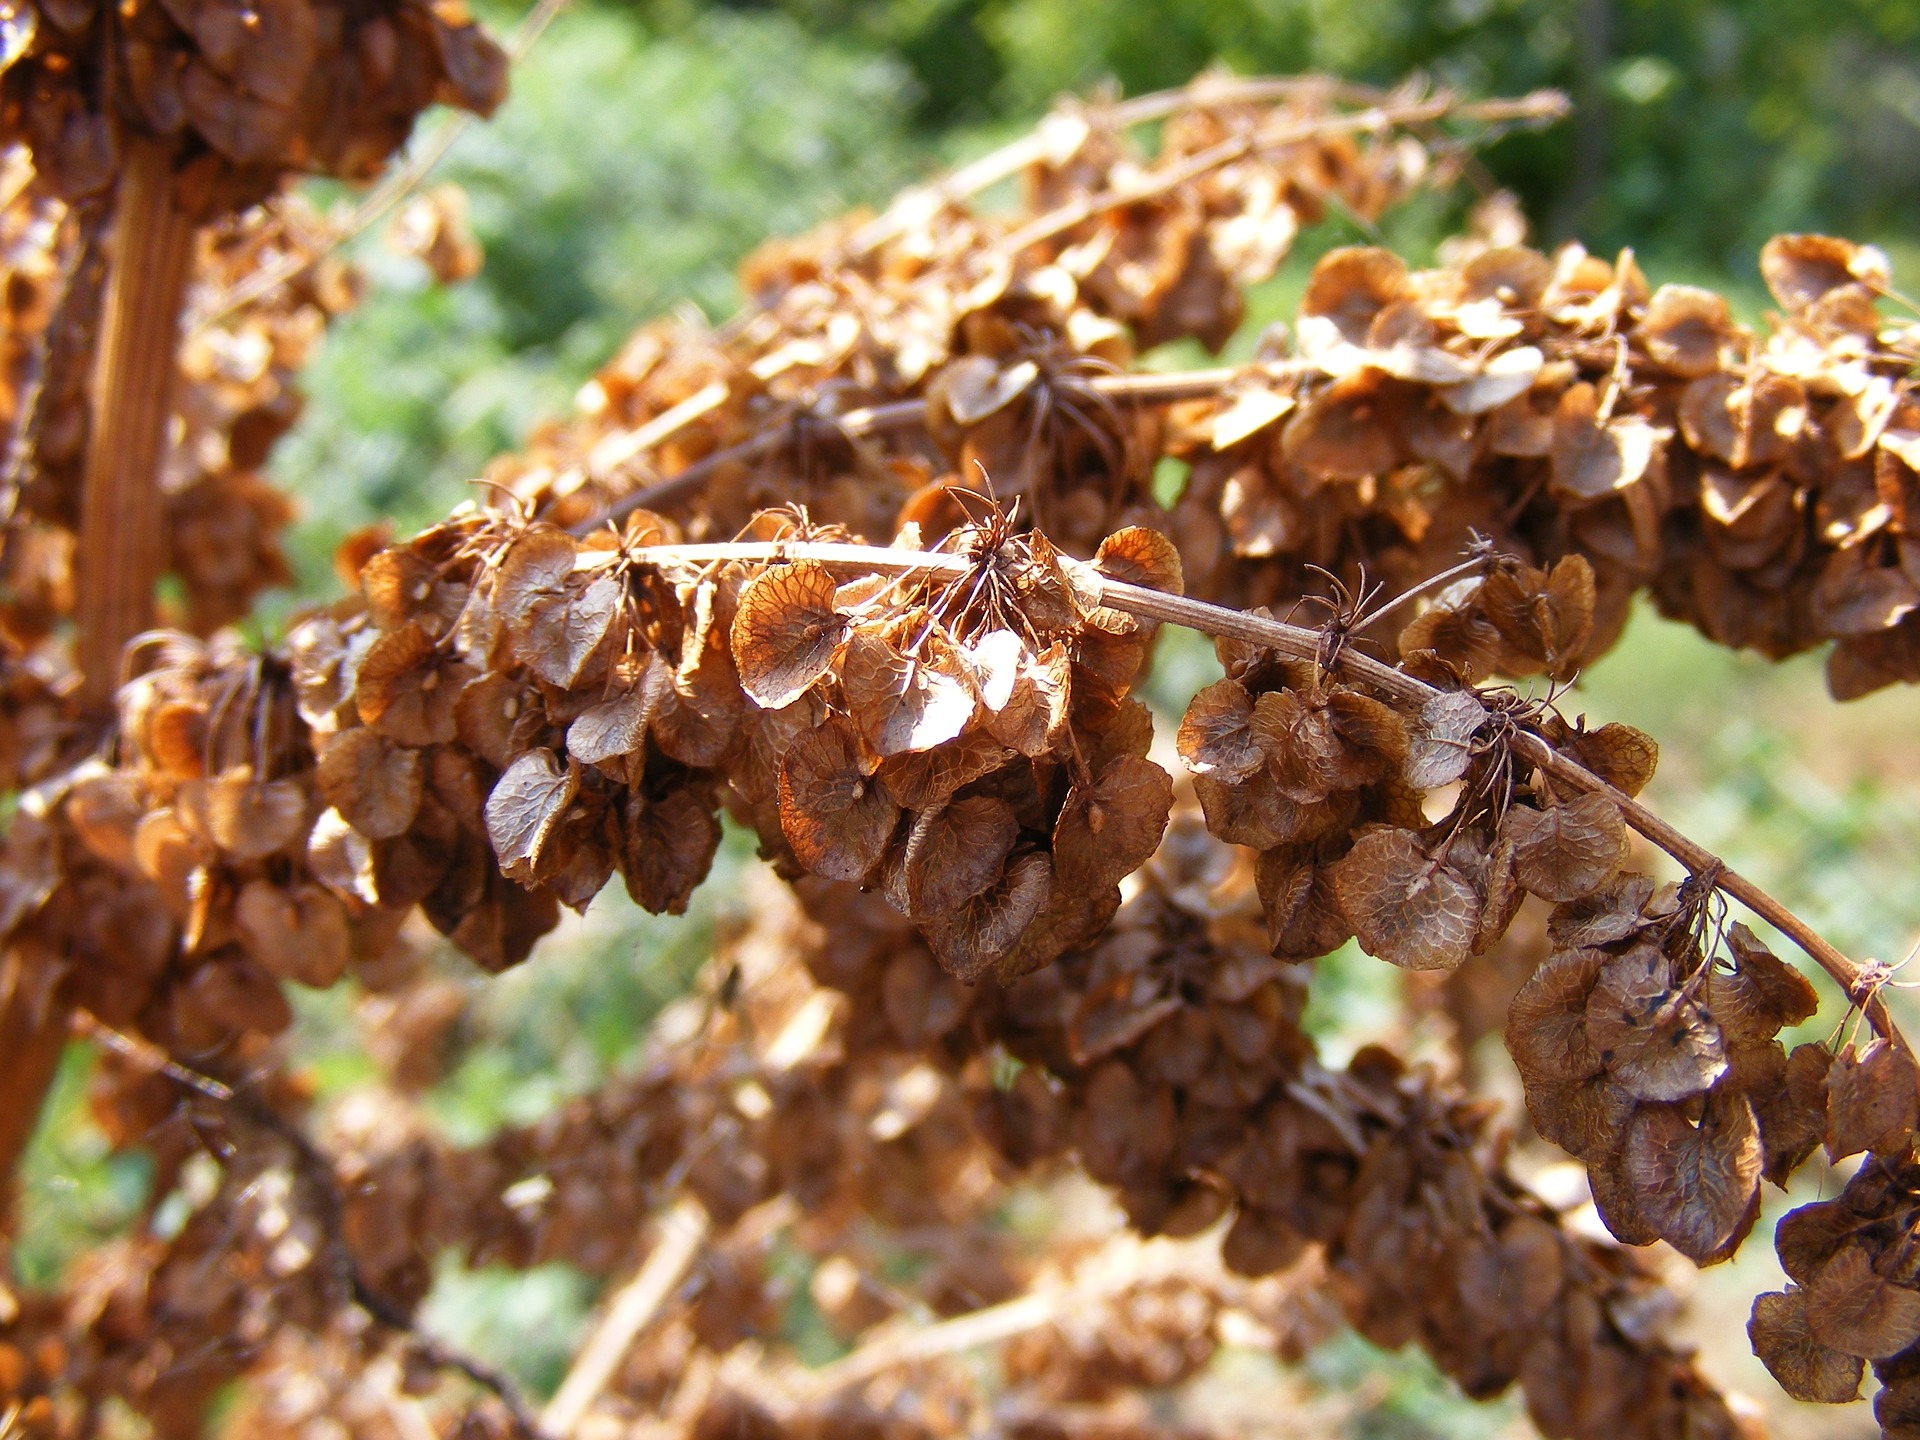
pixel 874 571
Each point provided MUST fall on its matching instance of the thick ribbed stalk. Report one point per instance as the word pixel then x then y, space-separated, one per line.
pixel 123 548
pixel 33 1029
pixel 123 543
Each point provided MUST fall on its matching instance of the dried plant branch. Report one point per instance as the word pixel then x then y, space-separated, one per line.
pixel 122 541
pixel 1145 388
pixel 397 186
pixel 1860 983
pixel 315 1169
pixel 1543 106
pixel 682 1232
pixel 1009 160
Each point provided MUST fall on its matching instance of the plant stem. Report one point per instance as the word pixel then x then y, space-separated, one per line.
pixel 123 535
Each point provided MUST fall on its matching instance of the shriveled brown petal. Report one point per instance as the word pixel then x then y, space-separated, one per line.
pixel 1372 734
pixel 1139 556
pixel 487 716
pixel 1405 906
pixel 298 933
pixel 1801 269
pixel 997 658
pixel 398 583
pixel 1304 918
pixel 618 725
pixel 1873 1099
pixel 1216 734
pixel 560 633
pixel 1613 912
pixel 1655 1041
pixel 535 567
pixel 1441 746
pixel 956 851
pixel 923 779
pixel 667 847
pixel 1338 433
pixel 1303 750
pixel 407 688
pixel 525 809
pixel 341 858
pixel 1108 829
pixel 1695 1185
pixel 1854 1309
pixel 1456 629
pixel 983 933
pixel 235 993
pixel 1762 993
pixel 1255 813
pixel 1592 459
pixel 1568 851
pixel 1619 754
pixel 1683 328
pixel 1034 718
pixel 902 703
pixel 1807 1370
pixel 976 386
pixel 1807 1237
pixel 1260 1242
pixel 247 818
pixel 1547 1022
pixel 1351 285
pixel 786 632
pixel 1793 1116
pixel 370 780
pixel 834 812
pixel 1586 1118
pixel 1616 1198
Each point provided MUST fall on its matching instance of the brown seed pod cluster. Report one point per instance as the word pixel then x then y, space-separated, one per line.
pixel 999 319
pixel 972 747
pixel 1332 784
pixel 934 738
pixel 1167 1058
pixel 242 95
pixel 1851 1295
pixel 1758 483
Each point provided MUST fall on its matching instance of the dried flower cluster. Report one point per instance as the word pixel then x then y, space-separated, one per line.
pixel 856 1084
pixel 822 570
pixel 240 93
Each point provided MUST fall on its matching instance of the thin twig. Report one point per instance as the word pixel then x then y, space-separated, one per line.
pixel 1544 105
pixel 1860 983
pixel 1144 388
pixel 315 1169
pixel 1203 93
pixel 681 1234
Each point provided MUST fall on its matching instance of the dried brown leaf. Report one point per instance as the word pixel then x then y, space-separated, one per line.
pixel 525 809
pixel 1696 1185
pixel 833 810
pixel 786 632
pixel 1405 906
pixel 1807 1370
